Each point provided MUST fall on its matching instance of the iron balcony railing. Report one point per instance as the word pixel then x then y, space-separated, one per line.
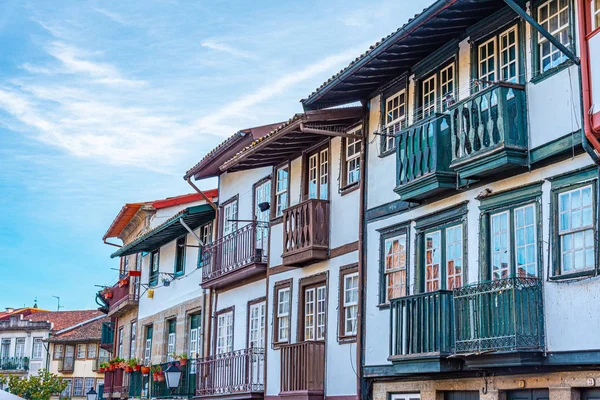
pixel 303 367
pixel 66 364
pixel 240 371
pixel 489 121
pixel 422 325
pixel 14 363
pixel 499 315
pixel 241 248
pixel 306 232
pixel 187 383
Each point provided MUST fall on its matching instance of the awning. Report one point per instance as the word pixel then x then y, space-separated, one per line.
pixel 168 230
pixel 443 21
pixel 291 138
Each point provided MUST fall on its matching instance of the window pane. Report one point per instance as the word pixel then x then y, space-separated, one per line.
pixel 576 229
pixel 395 266
pixel 432 261
pixel 454 257
pixel 500 246
pixel 525 242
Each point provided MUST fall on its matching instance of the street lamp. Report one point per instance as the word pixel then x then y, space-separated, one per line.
pixel 173 375
pixel 91 395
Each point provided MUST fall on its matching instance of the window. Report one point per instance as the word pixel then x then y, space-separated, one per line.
pixel 281 189
pixel 180 255
pixel 576 230
pixel 224 331
pixel 20 348
pixel 348 302
pixel 92 350
pixel 595 14
pixel 498 59
pixel 89 385
pixel 36 353
pixel 352 148
pixel 68 390
pixel 256 324
pixel 125 264
pixel 171 325
pixel 394 266
pixel 447 86
pixel 553 16
pixel 120 343
pixel 154 267
pixel 205 235
pixel 313 303
pixel 77 387
pixel 132 337
pixel 429 98
pixel 58 351
pixel 230 216
pixel 5 349
pixel 438 91
pixel 148 345
pixel 195 339
pixel 318 174
pixel 81 350
pixel 262 194
pixel 283 298
pixel 394 119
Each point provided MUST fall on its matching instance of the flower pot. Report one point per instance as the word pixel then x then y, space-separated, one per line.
pixel 136 368
pixel 128 369
pixel 145 370
pixel 112 367
pixel 161 378
pixel 123 282
pixel 155 377
pixel 183 361
pixel 101 369
pixel 108 295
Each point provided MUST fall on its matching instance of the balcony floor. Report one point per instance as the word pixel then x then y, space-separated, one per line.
pixel 500 159
pixel 236 275
pixel 427 186
pixel 234 396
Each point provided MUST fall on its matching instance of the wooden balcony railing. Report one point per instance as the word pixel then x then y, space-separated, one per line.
pixel 231 254
pixel 66 364
pixel 500 315
pixel 124 297
pixel 240 371
pixel 303 367
pixel 422 325
pixel 489 131
pixel 306 232
pixel 107 338
pixel 14 363
pixel 423 159
pixel 113 381
pixel 186 388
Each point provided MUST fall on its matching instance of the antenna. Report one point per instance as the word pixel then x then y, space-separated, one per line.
pixel 58 307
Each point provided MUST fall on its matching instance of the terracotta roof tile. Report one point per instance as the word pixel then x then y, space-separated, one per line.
pixel 91 331
pixel 64 319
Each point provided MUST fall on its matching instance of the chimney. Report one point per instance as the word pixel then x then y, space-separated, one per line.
pixel 9 309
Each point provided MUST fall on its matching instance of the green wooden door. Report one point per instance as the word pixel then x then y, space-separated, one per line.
pixel 590 394
pixel 462 395
pixel 533 394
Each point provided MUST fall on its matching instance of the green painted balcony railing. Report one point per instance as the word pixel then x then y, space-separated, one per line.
pixel 187 383
pixel 422 325
pixel 499 315
pixel 489 131
pixel 423 159
pixel 108 335
pixel 14 363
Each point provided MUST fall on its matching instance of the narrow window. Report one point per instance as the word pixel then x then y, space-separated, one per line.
pixel 36 353
pixel 433 252
pixel 454 257
pixel 352 159
pixel 553 16
pixel 58 350
pixel 509 62
pixel 92 350
pixel 148 345
pixel 154 268
pixel 447 86
pixel 262 194
pixel 318 174
pixel 89 385
pixel 500 245
pixel 120 343
pixel 257 325
pixel 487 62
pixel 315 303
pixel 282 316
pixel 429 97
pixel 350 304
pixel 68 390
pixel 395 118
pixel 20 348
pixel 180 255
pixel 171 327
pixel 442 265
pixel 395 267
pixel 281 190
pixel 225 332
pixel 525 241
pixel 595 14
pixel 195 341
pixel 77 387
pixel 132 338
pixel 206 237
pixel 576 230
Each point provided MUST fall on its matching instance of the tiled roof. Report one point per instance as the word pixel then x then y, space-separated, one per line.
pixel 25 311
pixel 64 319
pixel 90 331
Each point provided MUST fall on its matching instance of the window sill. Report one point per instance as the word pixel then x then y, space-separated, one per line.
pixel 277 345
pixel 349 188
pixel 383 306
pixel 540 77
pixel 386 153
pixel 346 339
pixel 574 275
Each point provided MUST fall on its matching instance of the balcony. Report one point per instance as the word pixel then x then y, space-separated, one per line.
pixel 503 316
pixel 66 364
pixel 303 371
pixel 489 132
pixel 14 364
pixel 107 339
pixel 124 296
pixel 113 383
pixel 237 256
pixel 422 326
pixel 306 233
pixel 423 159
pixel 238 374
pixel 186 388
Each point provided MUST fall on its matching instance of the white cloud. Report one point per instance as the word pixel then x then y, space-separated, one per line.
pixel 118 18
pixel 218 46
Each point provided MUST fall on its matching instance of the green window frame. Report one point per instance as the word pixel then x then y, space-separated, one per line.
pixel 441 245
pixel 171 339
pixel 510 234
pixel 574 197
pixel 148 345
pixel 154 268
pixel 180 243
pixel 548 14
pixel 394 256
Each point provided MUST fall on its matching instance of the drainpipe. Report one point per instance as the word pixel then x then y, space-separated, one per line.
pixel 588 141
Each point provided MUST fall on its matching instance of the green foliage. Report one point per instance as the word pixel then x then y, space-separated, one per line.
pixel 40 387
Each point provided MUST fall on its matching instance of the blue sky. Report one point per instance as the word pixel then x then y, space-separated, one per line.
pixel 107 102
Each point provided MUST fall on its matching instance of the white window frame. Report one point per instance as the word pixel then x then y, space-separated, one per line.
pixel 502 49
pixel 315 304
pixel 554 32
pixel 94 354
pixel 81 349
pixel 86 386
pixel 37 348
pixel 256 327
pixel 438 277
pixel 402 240
pixel 447 79
pixel 58 352
pixel 491 75
pixel 459 245
pixel 281 189
pixel 393 126
pixel 429 97
pixel 120 342
pixel 78 388
pixel 69 389
pixel 20 348
pixel 132 338
pixel 148 348
pixel 583 229
pixel 595 14
pixel 524 246
pixel 230 212
pixel 500 251
pixel 318 174
pixel 350 304
pixel 224 333
pixel 171 342
pixel 283 313
pixel 352 161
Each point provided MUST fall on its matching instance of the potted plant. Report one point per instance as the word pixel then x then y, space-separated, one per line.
pixel 103 366
pixel 183 359
pixel 134 363
pixel 123 282
pixel 145 370
pixel 157 373
pixel 106 293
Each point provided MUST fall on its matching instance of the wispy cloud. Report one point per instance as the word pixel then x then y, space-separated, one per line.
pixel 116 17
pixel 219 46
